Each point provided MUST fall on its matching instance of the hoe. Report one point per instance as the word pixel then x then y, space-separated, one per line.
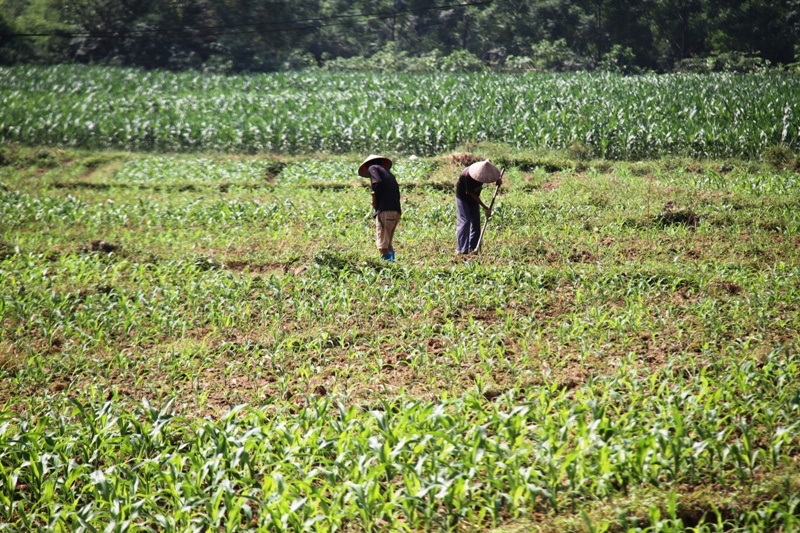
pixel 486 223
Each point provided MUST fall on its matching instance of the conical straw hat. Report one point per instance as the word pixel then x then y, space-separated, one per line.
pixel 484 171
pixel 373 160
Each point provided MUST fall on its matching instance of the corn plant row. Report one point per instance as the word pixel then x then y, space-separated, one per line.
pixel 290 195
pixel 719 115
pixel 403 465
pixel 84 297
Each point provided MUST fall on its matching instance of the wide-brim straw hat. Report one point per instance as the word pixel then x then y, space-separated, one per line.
pixel 373 159
pixel 484 171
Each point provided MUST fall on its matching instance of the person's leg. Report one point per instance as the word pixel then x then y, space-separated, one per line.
pixel 385 224
pixel 391 238
pixel 390 220
pixel 474 225
pixel 462 226
pixel 380 237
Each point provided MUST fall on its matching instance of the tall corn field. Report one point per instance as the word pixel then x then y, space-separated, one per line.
pixel 615 117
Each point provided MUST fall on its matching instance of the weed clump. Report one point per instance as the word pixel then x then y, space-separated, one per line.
pixel 336 261
pixel 672 215
pixel 101 246
pixel 205 263
pixel 273 170
pixel 16 156
pixel 579 151
pixel 6 250
pixel 780 157
pixel 10 362
pixel 462 159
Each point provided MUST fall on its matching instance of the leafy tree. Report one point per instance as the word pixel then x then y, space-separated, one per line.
pixel 559 20
pixel 679 29
pixel 628 29
pixel 555 55
pixel 11 50
pixel 42 31
pixel 502 28
pixel 262 35
pixel 618 59
pixel 429 29
pixel 754 27
pixel 346 33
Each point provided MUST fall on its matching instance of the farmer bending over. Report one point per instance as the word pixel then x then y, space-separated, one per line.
pixel 468 203
pixel 385 201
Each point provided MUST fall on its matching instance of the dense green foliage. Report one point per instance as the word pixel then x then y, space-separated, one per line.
pixel 607 115
pixel 623 355
pixel 243 35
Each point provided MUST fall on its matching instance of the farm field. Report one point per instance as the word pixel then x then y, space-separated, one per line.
pixel 611 116
pixel 623 353
pixel 204 338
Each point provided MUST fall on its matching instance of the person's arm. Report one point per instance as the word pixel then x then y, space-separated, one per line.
pixel 472 192
pixel 375 184
pixel 489 210
pixel 477 198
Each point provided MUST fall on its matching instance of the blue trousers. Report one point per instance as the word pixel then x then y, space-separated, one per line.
pixel 468 227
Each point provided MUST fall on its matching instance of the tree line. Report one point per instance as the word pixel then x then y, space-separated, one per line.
pixel 230 36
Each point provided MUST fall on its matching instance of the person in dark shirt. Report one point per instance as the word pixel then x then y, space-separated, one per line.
pixel 468 203
pixel 385 201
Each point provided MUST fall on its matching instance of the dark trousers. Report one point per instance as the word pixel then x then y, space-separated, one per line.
pixel 468 227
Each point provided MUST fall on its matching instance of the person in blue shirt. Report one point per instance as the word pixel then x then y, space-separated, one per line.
pixel 385 201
